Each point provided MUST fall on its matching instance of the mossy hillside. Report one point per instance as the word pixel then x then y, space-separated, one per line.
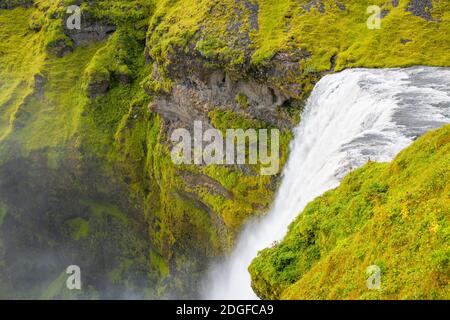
pixel 133 141
pixel 71 218
pixel 104 141
pixel 243 191
pixel 252 192
pixel 134 131
pixel 181 228
pixel 20 60
pixel 3 211
pixel 246 38
pixel 354 43
pixel 392 215
pixel 284 26
pixel 44 155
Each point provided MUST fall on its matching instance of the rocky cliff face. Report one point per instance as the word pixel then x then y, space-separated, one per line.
pixel 9 4
pixel 87 116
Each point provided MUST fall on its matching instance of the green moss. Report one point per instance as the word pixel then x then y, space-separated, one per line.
pixel 53 120
pixel 102 210
pixel 223 120
pixel 3 210
pixel 162 265
pixel 286 25
pixel 252 193
pixel 48 117
pixel 21 60
pixel 79 228
pixel 391 215
pixel 242 100
pixel 272 36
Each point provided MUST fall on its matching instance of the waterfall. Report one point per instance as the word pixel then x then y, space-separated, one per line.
pixel 351 117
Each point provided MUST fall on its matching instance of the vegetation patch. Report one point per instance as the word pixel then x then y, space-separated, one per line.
pixel 395 216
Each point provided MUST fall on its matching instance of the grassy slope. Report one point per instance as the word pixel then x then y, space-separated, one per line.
pixel 285 26
pixel 19 61
pixel 392 215
pixel 345 33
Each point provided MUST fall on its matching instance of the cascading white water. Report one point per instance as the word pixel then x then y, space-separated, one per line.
pixel 351 117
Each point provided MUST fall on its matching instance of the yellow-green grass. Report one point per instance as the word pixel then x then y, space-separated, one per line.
pixel 285 26
pixel 20 60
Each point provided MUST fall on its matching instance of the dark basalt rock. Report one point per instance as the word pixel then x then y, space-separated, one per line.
pixel 421 8
pixel 203 91
pixel 315 3
pixel 60 47
pixel 39 83
pixel 10 4
pixel 98 88
pixel 341 6
pixel 92 30
pixel 199 179
pixel 405 41
pixel 384 13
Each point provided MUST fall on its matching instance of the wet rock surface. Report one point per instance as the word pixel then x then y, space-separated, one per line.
pixel 91 30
